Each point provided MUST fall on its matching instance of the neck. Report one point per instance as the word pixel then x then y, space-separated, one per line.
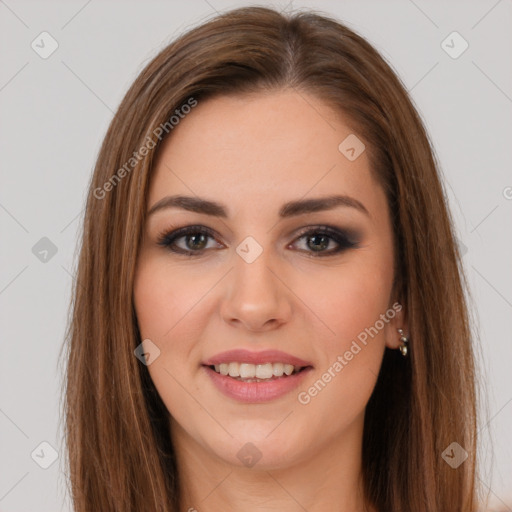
pixel 320 479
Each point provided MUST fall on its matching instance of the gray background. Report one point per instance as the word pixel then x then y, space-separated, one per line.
pixel 55 111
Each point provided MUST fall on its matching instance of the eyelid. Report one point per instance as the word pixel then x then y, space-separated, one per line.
pixel 178 232
pixel 175 230
pixel 349 234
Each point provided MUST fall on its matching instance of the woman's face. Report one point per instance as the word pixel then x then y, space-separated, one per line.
pixel 266 276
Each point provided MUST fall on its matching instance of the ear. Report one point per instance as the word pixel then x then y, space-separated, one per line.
pixel 398 320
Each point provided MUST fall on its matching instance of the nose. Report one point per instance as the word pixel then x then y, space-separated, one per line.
pixel 256 296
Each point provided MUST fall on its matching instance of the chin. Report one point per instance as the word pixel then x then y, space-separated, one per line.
pixel 258 451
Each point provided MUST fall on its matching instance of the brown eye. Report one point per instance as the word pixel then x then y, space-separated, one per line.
pixel 195 240
pixel 319 239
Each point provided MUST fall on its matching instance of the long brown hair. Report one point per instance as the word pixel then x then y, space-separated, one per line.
pixel 119 449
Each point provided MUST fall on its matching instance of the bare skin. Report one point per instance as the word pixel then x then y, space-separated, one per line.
pixel 253 154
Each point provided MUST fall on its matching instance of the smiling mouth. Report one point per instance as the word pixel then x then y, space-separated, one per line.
pixel 247 372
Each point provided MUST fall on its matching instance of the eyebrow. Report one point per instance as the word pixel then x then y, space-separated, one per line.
pixel 289 209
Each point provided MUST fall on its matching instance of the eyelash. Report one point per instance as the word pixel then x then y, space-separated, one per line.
pixel 167 239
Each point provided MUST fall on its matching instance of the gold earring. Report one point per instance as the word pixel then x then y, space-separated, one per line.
pixel 404 340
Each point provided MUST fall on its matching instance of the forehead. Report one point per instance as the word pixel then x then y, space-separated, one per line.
pixel 261 147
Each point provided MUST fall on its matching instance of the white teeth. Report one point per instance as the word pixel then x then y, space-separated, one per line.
pixel 288 369
pixel 247 371
pixel 258 371
pixel 278 369
pixel 264 371
pixel 234 370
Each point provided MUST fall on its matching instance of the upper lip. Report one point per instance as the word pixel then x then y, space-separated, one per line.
pixel 262 357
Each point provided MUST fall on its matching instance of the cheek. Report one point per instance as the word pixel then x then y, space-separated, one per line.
pixel 163 297
pixel 164 300
pixel 350 302
pixel 154 305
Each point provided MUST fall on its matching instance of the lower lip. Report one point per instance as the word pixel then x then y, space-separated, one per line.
pixel 256 392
